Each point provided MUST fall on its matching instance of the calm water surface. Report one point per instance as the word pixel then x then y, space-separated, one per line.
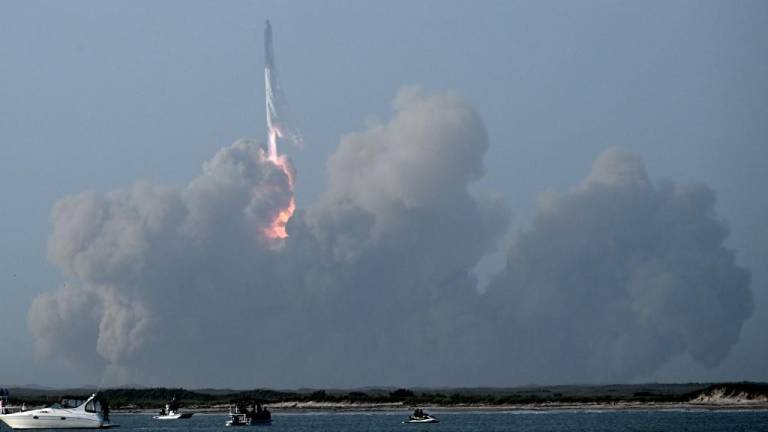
pixel 525 421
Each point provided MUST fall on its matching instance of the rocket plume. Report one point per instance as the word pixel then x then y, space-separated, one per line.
pixel 276 129
pixel 276 230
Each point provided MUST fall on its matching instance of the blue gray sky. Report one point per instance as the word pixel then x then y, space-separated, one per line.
pixel 95 96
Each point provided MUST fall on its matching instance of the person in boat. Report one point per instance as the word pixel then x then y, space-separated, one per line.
pixel 242 408
pixel 105 409
pixel 261 414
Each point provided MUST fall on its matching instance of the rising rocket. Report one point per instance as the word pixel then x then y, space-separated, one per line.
pixel 270 79
pixel 278 122
pixel 277 127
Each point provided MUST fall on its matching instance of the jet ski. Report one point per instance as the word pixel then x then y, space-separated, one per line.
pixel 419 416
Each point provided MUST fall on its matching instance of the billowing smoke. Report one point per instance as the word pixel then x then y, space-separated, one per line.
pixel 617 276
pixel 374 283
pixel 365 285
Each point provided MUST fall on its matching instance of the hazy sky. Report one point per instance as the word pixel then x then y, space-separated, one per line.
pixel 95 96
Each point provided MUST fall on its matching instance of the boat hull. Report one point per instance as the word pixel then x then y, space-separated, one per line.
pixel 426 420
pixel 42 421
pixel 174 416
pixel 257 423
pixel 248 423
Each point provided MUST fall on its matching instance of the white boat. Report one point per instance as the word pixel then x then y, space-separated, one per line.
pixel 171 412
pixel 173 415
pixel 420 416
pixel 86 415
pixel 427 419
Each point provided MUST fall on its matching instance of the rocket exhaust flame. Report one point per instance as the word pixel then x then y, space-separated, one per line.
pixel 277 230
pixel 277 128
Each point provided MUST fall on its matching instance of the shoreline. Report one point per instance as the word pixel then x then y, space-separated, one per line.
pixel 310 407
pixel 617 397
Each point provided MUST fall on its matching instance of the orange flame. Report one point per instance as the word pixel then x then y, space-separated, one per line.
pixel 276 229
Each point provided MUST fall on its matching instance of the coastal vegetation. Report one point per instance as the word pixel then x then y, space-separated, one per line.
pixel 151 398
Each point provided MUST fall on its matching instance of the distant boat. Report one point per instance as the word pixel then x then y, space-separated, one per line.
pixel 420 416
pixel 171 412
pixel 240 415
pixel 69 414
pixel 173 415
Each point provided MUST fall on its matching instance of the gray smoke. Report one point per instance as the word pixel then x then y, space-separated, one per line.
pixel 157 260
pixel 616 277
pixel 375 285
pixel 366 285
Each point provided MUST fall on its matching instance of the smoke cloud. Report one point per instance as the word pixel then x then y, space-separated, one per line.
pixel 366 275
pixel 616 277
pixel 374 282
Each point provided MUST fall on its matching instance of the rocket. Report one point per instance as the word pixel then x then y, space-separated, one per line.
pixel 270 80
pixel 277 127
pixel 279 120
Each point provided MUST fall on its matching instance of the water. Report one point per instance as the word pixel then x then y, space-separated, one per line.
pixel 521 421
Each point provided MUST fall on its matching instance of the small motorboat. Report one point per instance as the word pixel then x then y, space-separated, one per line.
pixel 69 414
pixel 427 419
pixel 171 412
pixel 173 415
pixel 240 415
pixel 420 416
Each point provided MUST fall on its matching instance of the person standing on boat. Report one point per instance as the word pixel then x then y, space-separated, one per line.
pixel 105 409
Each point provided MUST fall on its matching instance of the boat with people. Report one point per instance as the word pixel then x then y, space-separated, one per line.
pixel 5 404
pixel 70 413
pixel 421 416
pixel 171 412
pixel 241 415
